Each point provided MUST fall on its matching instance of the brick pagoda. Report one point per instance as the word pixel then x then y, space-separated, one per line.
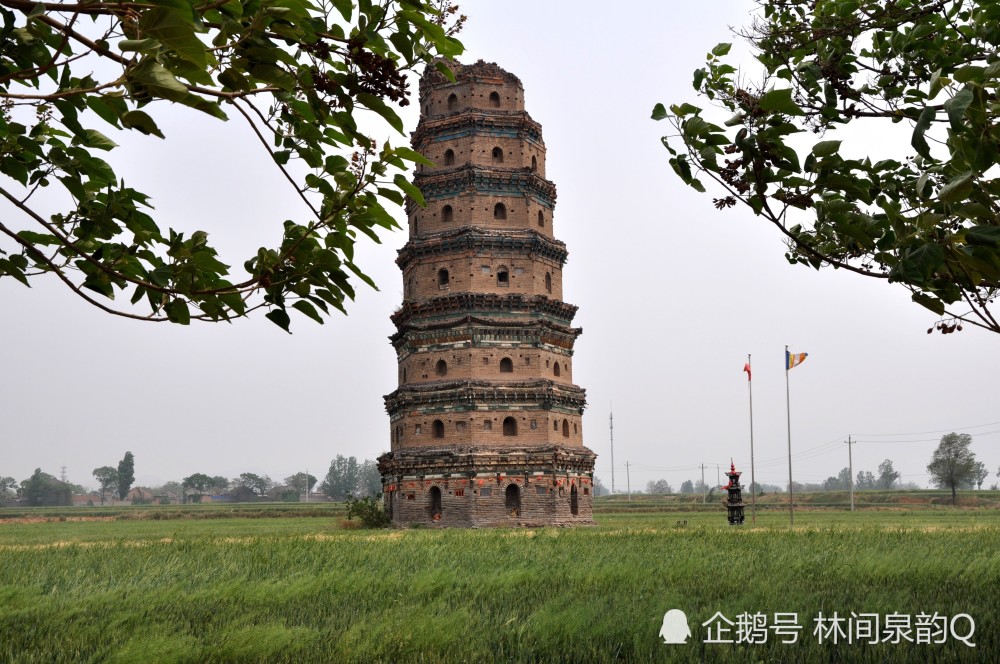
pixel 486 424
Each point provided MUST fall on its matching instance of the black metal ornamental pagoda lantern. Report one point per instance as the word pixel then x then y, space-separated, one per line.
pixel 734 499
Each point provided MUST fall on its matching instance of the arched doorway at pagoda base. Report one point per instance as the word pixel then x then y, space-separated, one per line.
pixel 513 499
pixel 435 502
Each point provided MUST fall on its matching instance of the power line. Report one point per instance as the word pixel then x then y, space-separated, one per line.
pixel 922 440
pixel 921 433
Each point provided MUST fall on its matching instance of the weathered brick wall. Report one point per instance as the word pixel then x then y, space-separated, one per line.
pixel 470 142
pixel 486 428
pixel 480 273
pixel 521 488
pixel 485 363
pixel 470 209
pixel 474 94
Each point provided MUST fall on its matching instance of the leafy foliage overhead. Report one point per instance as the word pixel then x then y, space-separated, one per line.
pixel 926 215
pixel 296 72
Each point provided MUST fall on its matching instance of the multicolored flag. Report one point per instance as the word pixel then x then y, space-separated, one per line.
pixel 746 367
pixel 794 359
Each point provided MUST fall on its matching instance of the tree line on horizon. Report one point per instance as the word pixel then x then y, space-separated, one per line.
pixel 346 477
pixel 953 466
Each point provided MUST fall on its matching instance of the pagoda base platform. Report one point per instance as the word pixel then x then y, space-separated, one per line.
pixel 469 487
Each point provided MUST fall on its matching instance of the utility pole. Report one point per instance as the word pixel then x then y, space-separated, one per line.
pixel 628 482
pixel 703 498
pixel 850 466
pixel 718 480
pixel 307 485
pixel 611 430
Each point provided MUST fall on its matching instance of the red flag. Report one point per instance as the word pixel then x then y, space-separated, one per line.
pixel 746 367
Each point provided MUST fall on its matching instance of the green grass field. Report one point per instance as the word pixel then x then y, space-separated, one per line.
pixel 286 587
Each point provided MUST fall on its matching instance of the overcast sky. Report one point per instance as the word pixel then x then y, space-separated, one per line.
pixel 673 295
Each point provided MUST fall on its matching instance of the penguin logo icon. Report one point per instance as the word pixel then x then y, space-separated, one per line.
pixel 675 627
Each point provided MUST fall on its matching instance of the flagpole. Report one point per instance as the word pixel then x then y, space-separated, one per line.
pixel 753 479
pixel 788 411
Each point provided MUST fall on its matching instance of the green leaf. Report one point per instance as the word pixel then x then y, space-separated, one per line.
pixel 158 82
pixel 918 141
pixel 9 268
pixel 108 107
pixel 95 139
pixel 308 309
pixel 923 191
pixel 412 155
pixel 280 318
pixel 978 235
pixel 445 70
pixel 684 109
pixel 139 45
pixel 177 312
pixel 699 76
pixel 233 79
pixel 779 101
pixel 140 121
pixel 43 239
pixel 932 303
pixel 659 112
pixel 969 73
pixel 956 107
pixel 935 84
pixel 175 29
pixel 400 181
pixel 826 148
pixel 721 49
pixel 958 188
pixel 916 266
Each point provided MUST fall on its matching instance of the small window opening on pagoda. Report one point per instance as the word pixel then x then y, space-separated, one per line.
pixel 534 163
pixel 438 429
pixel 565 428
pixel 506 365
pixel 509 426
pixel 541 219
pixel 441 368
pixel 574 502
pixel 449 157
pixel 556 371
pixel 512 499
pixel 548 282
pixel 499 211
pixel 452 103
pixel 435 503
pixel 497 155
pixel 443 277
pixel 503 277
pixel 494 100
pixel 447 214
